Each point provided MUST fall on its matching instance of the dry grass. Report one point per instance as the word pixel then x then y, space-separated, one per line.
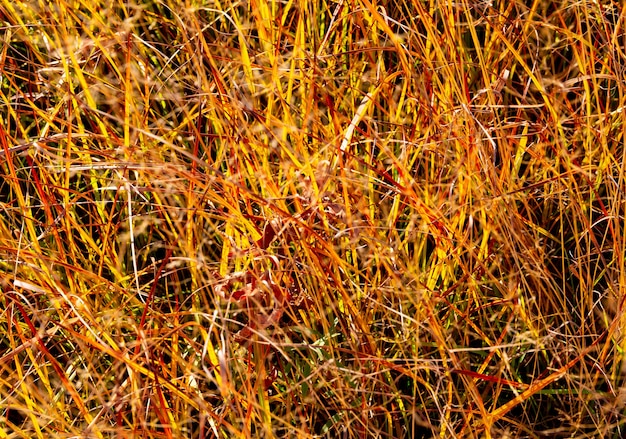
pixel 340 219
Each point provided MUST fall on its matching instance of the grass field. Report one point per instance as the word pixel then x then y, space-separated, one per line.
pixel 299 219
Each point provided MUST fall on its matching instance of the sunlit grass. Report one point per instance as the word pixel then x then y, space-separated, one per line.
pixel 311 219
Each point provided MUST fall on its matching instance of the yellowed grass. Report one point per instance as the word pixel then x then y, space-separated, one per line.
pixel 311 219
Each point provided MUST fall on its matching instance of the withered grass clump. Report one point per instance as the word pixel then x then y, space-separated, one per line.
pixel 348 219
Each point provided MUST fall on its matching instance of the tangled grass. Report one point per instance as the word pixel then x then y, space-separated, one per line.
pixel 312 219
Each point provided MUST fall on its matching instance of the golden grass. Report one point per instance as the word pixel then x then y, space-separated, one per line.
pixel 312 219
